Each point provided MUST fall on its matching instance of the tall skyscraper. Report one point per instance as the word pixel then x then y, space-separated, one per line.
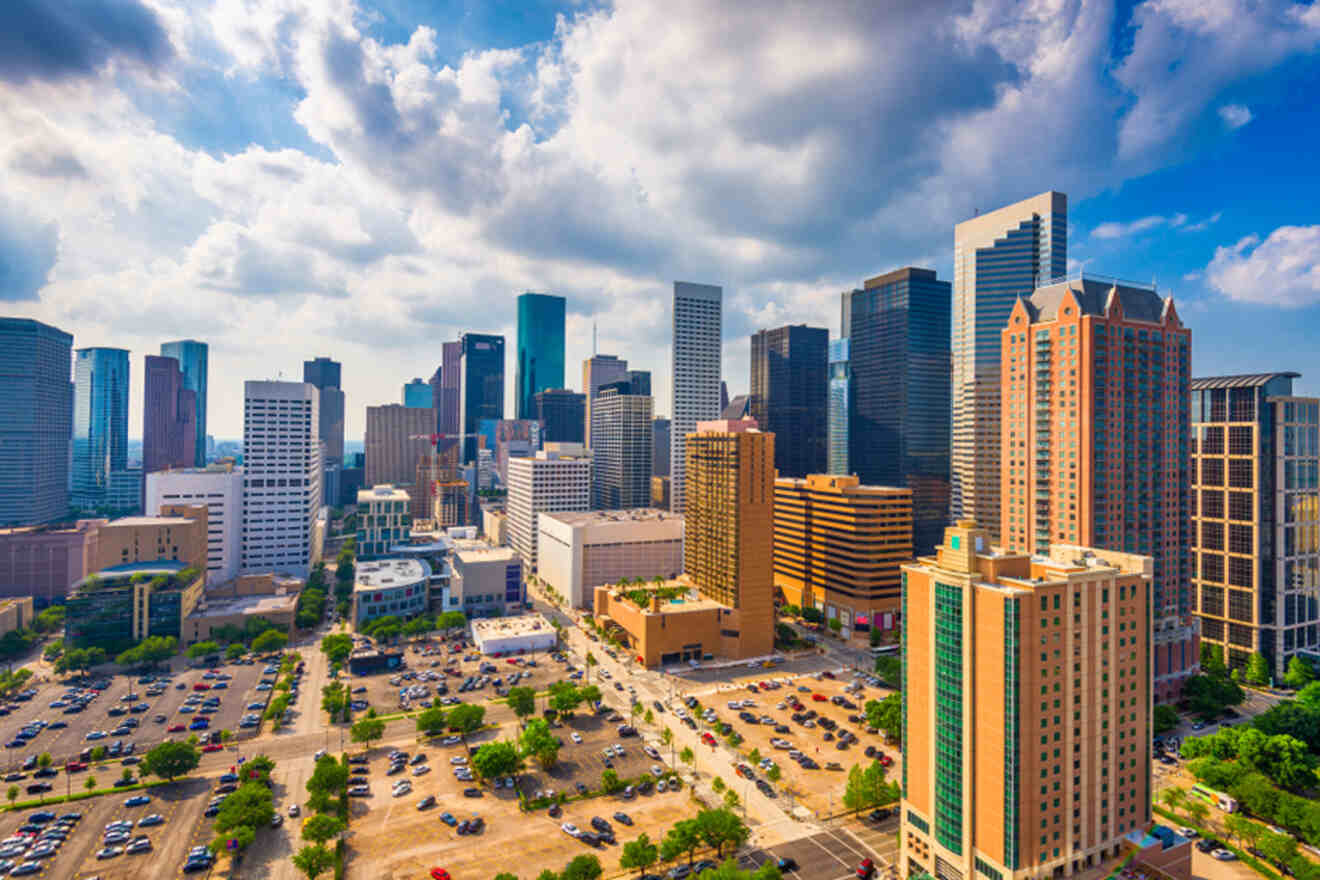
pixel 325 375
pixel 898 358
pixel 540 349
pixel 695 385
pixel 621 458
pixel 36 422
pixel 481 395
pixel 168 435
pixel 281 477
pixel 100 423
pixel 982 631
pixel 451 364
pixel 639 381
pixel 997 257
pixel 193 358
pixel 562 414
pixel 1096 378
pixel 417 394
pixel 729 525
pixel 437 383
pixel 789 396
pixel 660 447
pixel 840 392
pixel 598 370
pixel 557 478
pixel 1255 458
pixel 396 438
pixel 838 546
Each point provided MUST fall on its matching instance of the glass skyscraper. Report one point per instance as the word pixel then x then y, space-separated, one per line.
pixel 898 347
pixel 840 392
pixel 481 393
pixel 35 421
pixel 789 395
pixel 540 349
pixel 417 394
pixel 100 422
pixel 193 357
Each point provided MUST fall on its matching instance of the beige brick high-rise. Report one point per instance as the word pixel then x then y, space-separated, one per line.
pixel 395 440
pixel 1026 709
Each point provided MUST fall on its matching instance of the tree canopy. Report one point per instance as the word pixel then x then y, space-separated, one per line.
pixel 313 861
pixel 467 718
pixel 170 760
pixel 496 759
pixel 886 714
pixel 522 700
pixel 867 787
pixel 539 742
pixel 270 640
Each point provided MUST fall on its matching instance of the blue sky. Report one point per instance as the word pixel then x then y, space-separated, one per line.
pixel 291 178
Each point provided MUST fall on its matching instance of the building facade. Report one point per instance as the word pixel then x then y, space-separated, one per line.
pixel 125 604
pixel 417 394
pixel 220 488
pixel 840 404
pixel 396 438
pixel 194 360
pixel 838 547
pixel 997 257
pixel 36 423
pixel 1095 434
pixel 660 447
pixel 577 552
pixel 622 456
pixel 514 438
pixel 562 414
pixel 390 588
pixel 598 370
pixel 540 362
pixel 898 359
pixel 169 438
pixel 451 381
pixel 100 423
pixel 1026 709
pixel 1256 518
pixel 326 375
pixel 281 478
pixel 790 395
pixel 481 395
pixel 384 519
pixel 557 478
pixel 177 535
pixel 695 386
pixel 729 525
pixel 486 581
pixel 45 561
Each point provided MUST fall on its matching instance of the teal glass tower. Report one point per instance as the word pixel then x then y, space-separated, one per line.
pixel 540 349
pixel 100 422
pixel 193 357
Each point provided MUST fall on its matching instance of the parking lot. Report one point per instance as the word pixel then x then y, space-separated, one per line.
pixel 585 762
pixel 162 712
pixel 834 853
pixel 180 805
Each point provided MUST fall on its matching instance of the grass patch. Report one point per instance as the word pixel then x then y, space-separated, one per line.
pixel 84 795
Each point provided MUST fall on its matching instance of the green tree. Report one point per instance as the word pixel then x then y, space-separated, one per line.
pixel 890 669
pixel 127 774
pixel 835 625
pixel 431 721
pixel 867 787
pixel 90 784
pixel 686 755
pixel 467 718
pixel 813 615
pixel 887 715
pixel 590 694
pixel 1174 797
pixel 241 836
pixel 539 742
pixel 1198 810
pixel 640 854
pixel 773 773
pixel 322 827
pixel 44 760
pixel 12 794
pixel 1309 696
pixel 547 874
pixel 610 782
pixel 252 805
pixel 583 867
pixel 170 760
pixel 666 736
pixel 367 731
pixel 754 756
pixel 1164 719
pixel 522 700
pixel 328 780
pixel 334 699
pixel 49 620
pixel 718 784
pixel 1212 660
pixel 505 875
pixel 201 649
pixel 451 620
pixel 1258 669
pixel 683 838
pixel 564 697
pixel 98 753
pixel 496 759
pixel 337 647
pixel 731 800
pixel 270 640
pixel 721 828
pixel 1299 673
pixel 1278 848
pixel 313 861
pixel 234 651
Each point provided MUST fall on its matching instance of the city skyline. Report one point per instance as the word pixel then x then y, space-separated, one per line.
pixel 173 223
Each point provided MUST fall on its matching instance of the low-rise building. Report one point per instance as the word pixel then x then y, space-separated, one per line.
pixel 123 604
pixel 213 612
pixel 579 551
pixel 384 518
pixel 485 581
pixel 390 588
pixel 45 561
pixel 674 623
pixel 178 534
pixel 16 614
pixel 498 636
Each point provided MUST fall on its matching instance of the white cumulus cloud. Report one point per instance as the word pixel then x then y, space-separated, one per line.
pixel 1283 270
pixel 1235 115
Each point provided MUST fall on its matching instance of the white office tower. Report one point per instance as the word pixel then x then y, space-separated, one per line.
pixel 557 478
pixel 695 389
pixel 220 488
pixel 282 477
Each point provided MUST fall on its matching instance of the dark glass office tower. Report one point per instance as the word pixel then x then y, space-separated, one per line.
pixel 325 374
pixel 193 358
pixel 788 397
pixel 540 349
pixel 561 413
pixel 100 422
pixel 481 395
pixel 898 354
pixel 35 422
pixel 167 417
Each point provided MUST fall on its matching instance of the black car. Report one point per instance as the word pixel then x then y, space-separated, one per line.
pixel 787 863
pixel 1207 844
pixel 600 824
pixel 472 792
pixel 45 773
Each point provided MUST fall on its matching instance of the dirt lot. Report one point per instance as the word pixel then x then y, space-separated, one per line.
pixel 64 745
pixel 181 805
pixel 817 790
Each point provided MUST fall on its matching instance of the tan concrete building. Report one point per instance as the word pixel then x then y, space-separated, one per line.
pixel 46 561
pixel 396 438
pixel 839 545
pixel 16 614
pixel 689 626
pixel 1027 705
pixel 279 606
pixel 178 534
pixel 495 526
pixel 579 551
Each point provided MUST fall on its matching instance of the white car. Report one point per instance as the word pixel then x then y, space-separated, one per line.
pixel 650 750
pixel 458 759
pixel 570 829
pixel 1223 855
pixel 576 737
pixel 421 770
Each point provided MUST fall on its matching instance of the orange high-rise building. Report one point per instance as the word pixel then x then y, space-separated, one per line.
pixel 1095 436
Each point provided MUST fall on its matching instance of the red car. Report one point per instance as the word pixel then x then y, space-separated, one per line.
pixel 201 686
pixel 708 739
pixel 212 747
pixel 439 874
pixel 74 766
pixel 865 869
pixel 175 728
pixel 819 698
pixel 886 761
pixel 829 674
